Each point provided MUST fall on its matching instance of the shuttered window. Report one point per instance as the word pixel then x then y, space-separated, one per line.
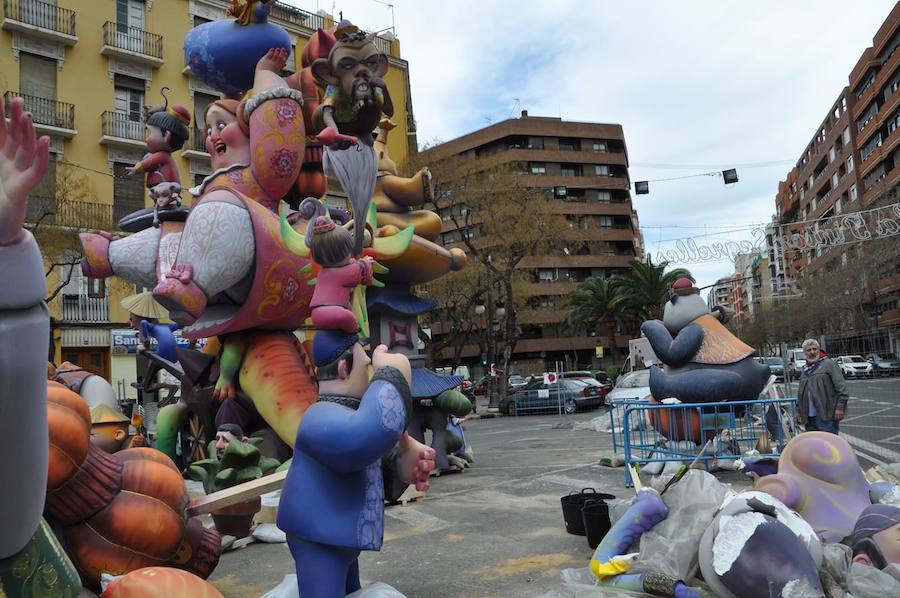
pixel 128 191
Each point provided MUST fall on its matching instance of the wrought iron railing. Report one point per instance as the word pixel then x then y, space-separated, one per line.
pixel 118 124
pixel 41 14
pixel 132 39
pixel 296 16
pixel 67 212
pixel 81 308
pixel 45 111
pixel 198 141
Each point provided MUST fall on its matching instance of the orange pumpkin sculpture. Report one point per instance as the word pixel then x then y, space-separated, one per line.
pixel 160 582
pixel 118 512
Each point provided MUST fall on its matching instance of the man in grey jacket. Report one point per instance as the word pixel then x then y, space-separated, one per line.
pixel 822 398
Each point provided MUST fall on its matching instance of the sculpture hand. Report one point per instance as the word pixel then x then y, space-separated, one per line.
pixel 415 462
pixel 23 162
pixel 381 358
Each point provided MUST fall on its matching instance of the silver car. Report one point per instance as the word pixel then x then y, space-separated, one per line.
pixel 885 364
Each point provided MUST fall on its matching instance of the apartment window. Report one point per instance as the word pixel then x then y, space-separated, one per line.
pixel 853 194
pixel 845 136
pixel 200 20
pixel 849 163
pixel 867 116
pixel 129 13
pixel 128 191
pixel 835 179
pixel 892 87
pixel 570 170
pixel 37 77
pixel 873 177
pixel 451 237
pixel 868 148
pixel 559 191
pixel 547 274
pixel 605 221
pixel 536 142
pixel 599 146
pixel 604 196
pixel 568 145
pixel 812 207
pixel 831 154
pixel 201 103
pixel 601 170
pixel 870 79
pixel 894 122
pixel 837 205
pixel 535 168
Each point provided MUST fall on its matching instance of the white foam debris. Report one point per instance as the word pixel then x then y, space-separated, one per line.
pixel 734 531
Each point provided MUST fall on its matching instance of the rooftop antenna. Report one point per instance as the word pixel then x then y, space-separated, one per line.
pixel 514 107
pixel 391 6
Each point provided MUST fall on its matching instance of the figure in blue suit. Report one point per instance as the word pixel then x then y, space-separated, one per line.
pixel 332 502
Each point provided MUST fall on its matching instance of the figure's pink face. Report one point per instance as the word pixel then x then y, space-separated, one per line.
pixel 156 140
pixel 225 142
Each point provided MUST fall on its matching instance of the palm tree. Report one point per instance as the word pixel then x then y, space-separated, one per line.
pixel 596 304
pixel 645 288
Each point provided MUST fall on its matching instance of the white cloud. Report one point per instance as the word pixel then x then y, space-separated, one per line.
pixel 692 82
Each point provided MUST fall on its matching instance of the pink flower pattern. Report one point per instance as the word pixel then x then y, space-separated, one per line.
pixel 283 162
pixel 286 112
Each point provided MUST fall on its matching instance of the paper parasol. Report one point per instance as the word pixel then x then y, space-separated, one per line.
pixel 145 306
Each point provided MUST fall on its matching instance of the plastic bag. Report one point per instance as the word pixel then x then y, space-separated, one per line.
pixel 671 546
pixel 864 581
pixel 269 532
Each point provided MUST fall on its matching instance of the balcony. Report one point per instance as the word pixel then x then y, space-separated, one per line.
pixel 295 16
pixel 81 308
pixel 69 213
pixel 120 130
pixel 132 43
pixel 50 116
pixel 195 148
pixel 40 19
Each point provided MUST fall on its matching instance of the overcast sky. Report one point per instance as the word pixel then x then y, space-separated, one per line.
pixel 700 85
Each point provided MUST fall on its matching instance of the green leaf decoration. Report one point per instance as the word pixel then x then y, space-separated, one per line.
pixel 454 402
pixel 285 466
pixel 268 465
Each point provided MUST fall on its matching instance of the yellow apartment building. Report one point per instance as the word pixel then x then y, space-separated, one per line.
pixel 85 69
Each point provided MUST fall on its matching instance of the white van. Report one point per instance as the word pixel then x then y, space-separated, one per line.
pixel 796 360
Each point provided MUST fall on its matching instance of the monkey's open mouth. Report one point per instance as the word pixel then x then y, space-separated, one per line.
pixel 362 87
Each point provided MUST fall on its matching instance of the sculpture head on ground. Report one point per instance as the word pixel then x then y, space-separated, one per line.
pixel 819 477
pixel 876 536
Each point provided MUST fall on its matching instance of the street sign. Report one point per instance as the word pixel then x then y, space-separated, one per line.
pixel 598 351
pixel 550 377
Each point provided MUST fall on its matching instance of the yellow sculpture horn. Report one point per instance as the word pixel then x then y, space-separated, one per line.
pixel 294 241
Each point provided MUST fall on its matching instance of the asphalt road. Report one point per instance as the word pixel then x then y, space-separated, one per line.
pixel 872 423
pixel 494 530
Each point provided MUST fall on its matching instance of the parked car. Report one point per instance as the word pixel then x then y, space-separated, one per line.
pixel 516 381
pixel 854 366
pixel 603 389
pixel 885 364
pixel 570 395
pixel 776 366
pixel 604 379
pixel 633 386
pixel 577 374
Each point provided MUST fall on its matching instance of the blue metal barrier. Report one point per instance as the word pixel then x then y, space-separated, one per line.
pixel 661 432
pixel 617 419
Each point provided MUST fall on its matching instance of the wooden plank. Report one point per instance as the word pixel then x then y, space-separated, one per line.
pixel 236 494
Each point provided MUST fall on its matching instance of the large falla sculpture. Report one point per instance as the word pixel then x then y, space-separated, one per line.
pixel 236 270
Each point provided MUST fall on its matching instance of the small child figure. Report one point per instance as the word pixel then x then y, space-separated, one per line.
pixel 331 247
pixel 167 131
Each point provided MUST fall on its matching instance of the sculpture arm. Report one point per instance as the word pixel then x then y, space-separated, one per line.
pixel 153 161
pixel 346 440
pixel 277 138
pixel 24 334
pixel 673 352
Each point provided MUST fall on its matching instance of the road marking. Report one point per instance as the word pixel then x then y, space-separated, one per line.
pixel 516 430
pixel 884 404
pixel 872 448
pixel 867 414
pixel 855 399
pixel 415 518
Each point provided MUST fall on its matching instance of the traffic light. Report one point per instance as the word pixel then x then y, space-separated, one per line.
pixel 484 360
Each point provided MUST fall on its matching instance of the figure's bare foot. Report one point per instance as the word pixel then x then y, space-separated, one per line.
pixel 415 463
pixel 273 61
pixel 224 389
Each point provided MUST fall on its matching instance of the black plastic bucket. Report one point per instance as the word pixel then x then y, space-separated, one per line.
pixel 571 508
pixel 595 518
